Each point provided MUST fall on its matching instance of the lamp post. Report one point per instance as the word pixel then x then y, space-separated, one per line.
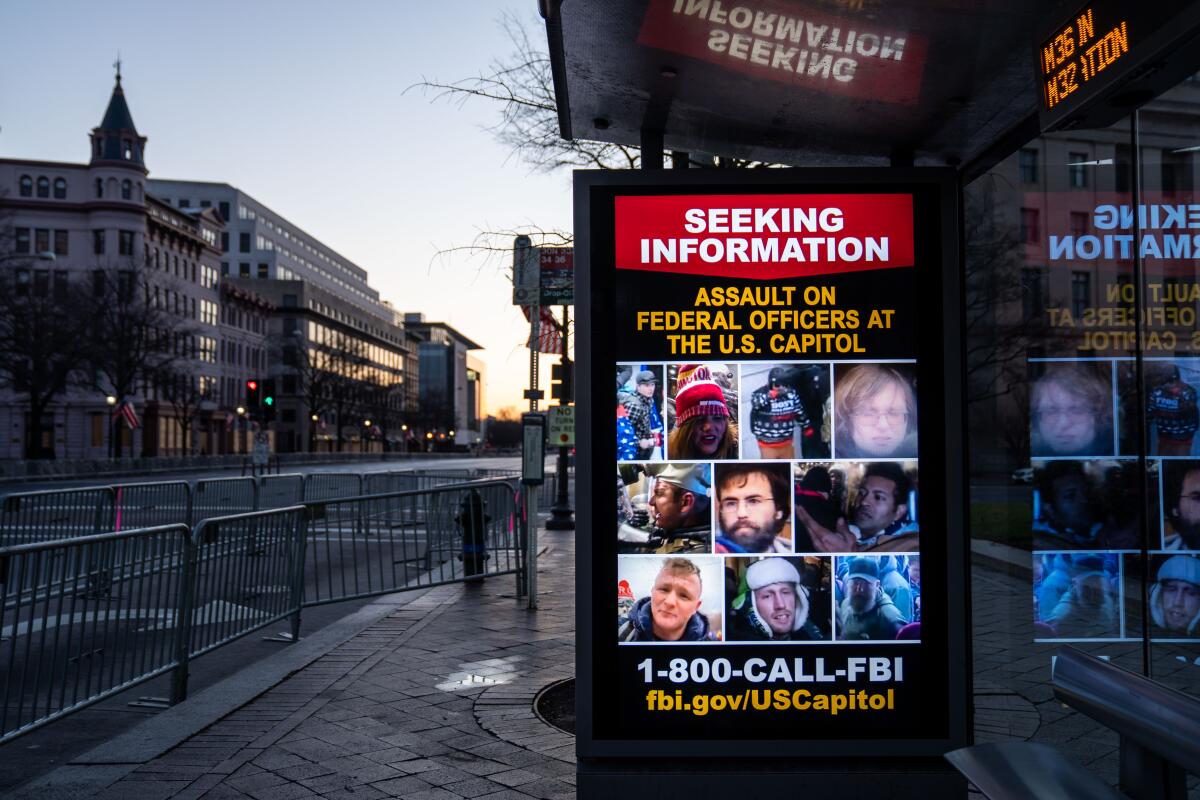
pixel 241 412
pixel 112 424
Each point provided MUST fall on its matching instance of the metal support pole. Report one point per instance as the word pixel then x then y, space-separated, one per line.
pixel 531 520
pixel 562 517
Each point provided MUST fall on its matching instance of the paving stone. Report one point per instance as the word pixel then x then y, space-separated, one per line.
pixel 402 787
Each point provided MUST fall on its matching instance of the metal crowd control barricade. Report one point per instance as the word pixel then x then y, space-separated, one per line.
pixel 332 485
pixel 365 546
pixel 63 646
pixel 217 497
pixel 28 517
pixel 280 491
pixel 393 481
pixel 244 572
pixel 145 505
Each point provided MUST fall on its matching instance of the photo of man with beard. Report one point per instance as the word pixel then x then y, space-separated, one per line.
pixel 1181 505
pixel 865 610
pixel 753 508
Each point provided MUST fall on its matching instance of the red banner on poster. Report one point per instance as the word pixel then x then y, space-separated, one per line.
pixel 789 43
pixel 764 236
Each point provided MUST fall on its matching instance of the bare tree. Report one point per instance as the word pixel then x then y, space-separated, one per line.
pixel 138 331
pixel 179 386
pixel 521 84
pixel 329 377
pixel 43 327
pixel 379 404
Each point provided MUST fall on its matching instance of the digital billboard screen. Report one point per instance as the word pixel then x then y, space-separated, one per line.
pixel 770 376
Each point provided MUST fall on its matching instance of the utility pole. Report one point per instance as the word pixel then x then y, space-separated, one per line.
pixel 561 515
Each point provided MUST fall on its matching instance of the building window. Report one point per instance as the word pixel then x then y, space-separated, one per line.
pixel 185 202
pixel 224 241
pixel 1029 166
pixel 97 424
pixel 43 186
pixel 262 271
pixel 1079 223
pixel 60 243
pixel 1029 226
pixel 223 208
pixel 1081 292
pixel 41 240
pixel 289 301
pixel 99 187
pixel 125 243
pixel 98 242
pixel 1077 170
pixel 126 190
pixel 26 186
pixel 60 189
pixel 243 243
pixel 224 267
pixel 23 243
pixel 243 269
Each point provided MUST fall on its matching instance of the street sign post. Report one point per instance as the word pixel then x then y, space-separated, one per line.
pixel 556 267
pixel 561 426
pixel 260 453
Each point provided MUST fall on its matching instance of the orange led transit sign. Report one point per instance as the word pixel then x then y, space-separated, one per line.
pixel 1078 53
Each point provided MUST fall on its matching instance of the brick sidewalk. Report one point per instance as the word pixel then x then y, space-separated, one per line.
pixel 433 701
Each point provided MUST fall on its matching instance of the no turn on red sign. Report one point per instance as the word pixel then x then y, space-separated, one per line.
pixel 561 422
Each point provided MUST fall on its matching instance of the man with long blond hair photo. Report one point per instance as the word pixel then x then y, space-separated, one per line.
pixel 875 412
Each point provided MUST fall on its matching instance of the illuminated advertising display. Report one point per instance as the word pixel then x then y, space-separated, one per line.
pixel 770 373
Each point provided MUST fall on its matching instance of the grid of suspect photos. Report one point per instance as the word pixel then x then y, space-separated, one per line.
pixel 1087 495
pixel 767 502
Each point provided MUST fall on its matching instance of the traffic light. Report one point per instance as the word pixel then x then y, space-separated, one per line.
pixel 562 381
pixel 268 401
pixel 253 394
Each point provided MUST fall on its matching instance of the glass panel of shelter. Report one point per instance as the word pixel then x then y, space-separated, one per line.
pixel 1058 513
pixel 1084 375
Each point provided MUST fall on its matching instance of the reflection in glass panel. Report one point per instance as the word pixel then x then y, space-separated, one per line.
pixel 1057 521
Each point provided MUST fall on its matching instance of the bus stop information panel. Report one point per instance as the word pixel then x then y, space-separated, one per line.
pixel 770 364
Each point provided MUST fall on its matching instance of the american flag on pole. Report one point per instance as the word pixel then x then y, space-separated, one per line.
pixel 127 412
pixel 549 334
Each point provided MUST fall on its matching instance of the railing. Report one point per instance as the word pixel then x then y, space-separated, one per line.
pixel 103 619
pixel 216 497
pixel 332 485
pixel 85 617
pixel 64 513
pixel 371 545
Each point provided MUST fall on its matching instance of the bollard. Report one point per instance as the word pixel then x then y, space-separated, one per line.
pixel 472 520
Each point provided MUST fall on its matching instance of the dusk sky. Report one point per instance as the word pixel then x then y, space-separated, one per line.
pixel 302 105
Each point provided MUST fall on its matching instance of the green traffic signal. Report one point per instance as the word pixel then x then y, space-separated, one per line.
pixel 268 400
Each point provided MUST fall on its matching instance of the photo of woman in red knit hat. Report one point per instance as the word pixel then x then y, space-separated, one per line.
pixel 702 426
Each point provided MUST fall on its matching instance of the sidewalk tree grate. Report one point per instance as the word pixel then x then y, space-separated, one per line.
pixel 556 705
